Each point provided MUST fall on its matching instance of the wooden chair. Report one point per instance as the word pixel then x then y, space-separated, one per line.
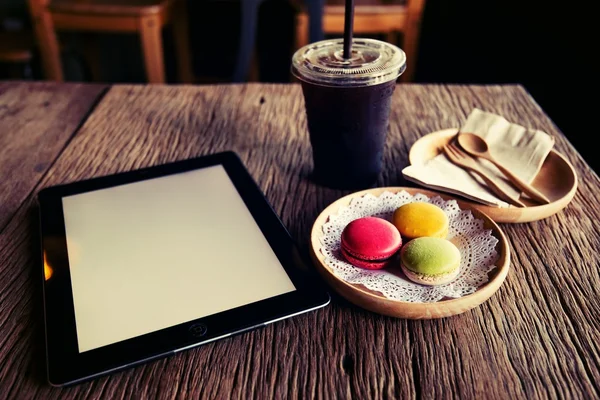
pixel 370 17
pixel 16 50
pixel 143 17
pixel 15 47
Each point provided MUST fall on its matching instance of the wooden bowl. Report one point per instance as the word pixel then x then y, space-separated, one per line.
pixel 375 301
pixel 557 180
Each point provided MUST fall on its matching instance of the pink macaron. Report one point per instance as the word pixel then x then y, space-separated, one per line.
pixel 370 242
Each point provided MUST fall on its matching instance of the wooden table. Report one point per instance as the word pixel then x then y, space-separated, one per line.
pixel 537 337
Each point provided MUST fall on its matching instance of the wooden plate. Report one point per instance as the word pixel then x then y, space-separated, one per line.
pixel 557 180
pixel 375 301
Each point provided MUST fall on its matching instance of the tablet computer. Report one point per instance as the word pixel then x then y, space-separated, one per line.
pixel 143 264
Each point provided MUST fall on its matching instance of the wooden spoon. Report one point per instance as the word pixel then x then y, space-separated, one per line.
pixel 478 147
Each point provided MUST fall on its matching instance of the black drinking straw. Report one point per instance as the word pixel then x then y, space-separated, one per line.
pixel 348 28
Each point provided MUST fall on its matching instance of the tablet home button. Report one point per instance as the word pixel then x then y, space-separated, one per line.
pixel 198 330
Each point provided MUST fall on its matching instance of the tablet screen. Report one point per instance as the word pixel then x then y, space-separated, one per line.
pixel 153 254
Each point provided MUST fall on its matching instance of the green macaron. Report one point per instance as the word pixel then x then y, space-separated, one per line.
pixel 430 260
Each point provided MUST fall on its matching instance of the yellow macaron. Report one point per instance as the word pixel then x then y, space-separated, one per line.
pixel 421 219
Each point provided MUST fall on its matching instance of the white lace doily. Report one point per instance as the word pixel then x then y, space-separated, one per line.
pixel 476 244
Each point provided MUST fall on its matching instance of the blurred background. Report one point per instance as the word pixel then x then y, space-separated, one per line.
pixel 546 46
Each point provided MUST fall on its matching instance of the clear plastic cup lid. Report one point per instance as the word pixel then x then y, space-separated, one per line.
pixel 372 62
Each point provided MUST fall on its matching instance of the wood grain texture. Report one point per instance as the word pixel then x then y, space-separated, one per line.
pixel 537 337
pixel 36 122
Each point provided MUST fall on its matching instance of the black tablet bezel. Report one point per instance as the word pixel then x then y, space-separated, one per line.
pixel 66 365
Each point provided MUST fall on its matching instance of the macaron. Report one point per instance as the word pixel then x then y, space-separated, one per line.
pixel 420 219
pixel 430 261
pixel 370 242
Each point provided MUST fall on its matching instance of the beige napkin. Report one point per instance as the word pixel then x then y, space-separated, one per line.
pixel 521 150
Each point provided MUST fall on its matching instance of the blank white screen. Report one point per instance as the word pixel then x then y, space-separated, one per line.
pixel 152 254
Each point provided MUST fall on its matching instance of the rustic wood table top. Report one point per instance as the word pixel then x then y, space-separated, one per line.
pixel 537 337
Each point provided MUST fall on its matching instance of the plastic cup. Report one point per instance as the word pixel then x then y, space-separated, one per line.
pixel 348 107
